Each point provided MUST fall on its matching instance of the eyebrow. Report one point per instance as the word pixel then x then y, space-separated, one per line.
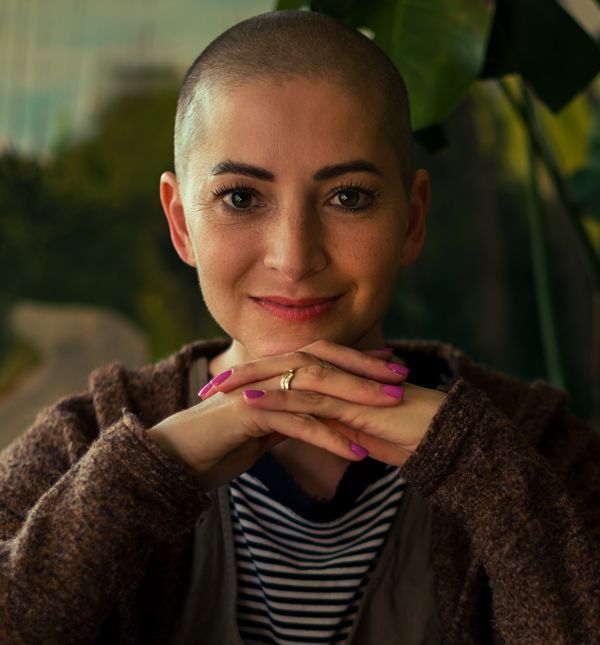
pixel 327 172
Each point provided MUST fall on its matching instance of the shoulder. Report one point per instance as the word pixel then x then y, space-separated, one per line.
pixel 532 407
pixel 153 391
pixel 63 431
pixel 486 410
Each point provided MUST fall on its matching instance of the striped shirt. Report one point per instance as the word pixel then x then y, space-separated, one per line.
pixel 303 564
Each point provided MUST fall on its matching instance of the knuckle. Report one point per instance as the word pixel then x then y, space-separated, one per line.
pixel 296 358
pixel 368 389
pixel 303 420
pixel 313 399
pixel 240 407
pixel 302 357
pixel 316 371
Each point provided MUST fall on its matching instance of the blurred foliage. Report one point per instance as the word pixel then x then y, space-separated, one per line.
pixel 585 182
pixel 441 47
pixel 542 43
pixel 19 359
pixel 87 226
pixel 473 284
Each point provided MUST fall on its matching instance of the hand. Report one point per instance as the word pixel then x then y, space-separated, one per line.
pixel 223 437
pixel 388 420
pixel 391 434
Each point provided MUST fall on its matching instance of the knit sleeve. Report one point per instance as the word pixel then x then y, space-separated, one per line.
pixel 532 518
pixel 78 520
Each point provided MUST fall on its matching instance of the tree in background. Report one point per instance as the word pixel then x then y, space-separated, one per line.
pixel 87 226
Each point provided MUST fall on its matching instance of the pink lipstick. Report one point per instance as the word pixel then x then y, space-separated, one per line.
pixel 296 310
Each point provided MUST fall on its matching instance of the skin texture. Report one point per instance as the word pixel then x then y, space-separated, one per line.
pixel 294 244
pixel 302 236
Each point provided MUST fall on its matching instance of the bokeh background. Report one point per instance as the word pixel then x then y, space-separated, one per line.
pixel 87 270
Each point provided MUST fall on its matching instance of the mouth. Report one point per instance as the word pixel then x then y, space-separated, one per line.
pixel 296 310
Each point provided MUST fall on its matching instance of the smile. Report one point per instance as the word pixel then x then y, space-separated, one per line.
pixel 296 310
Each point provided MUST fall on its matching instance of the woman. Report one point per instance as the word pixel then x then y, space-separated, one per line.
pixel 471 521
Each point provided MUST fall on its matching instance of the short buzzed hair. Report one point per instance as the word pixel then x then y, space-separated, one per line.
pixel 283 45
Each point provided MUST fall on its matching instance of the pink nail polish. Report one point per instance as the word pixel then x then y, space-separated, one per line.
pixel 399 369
pixel 359 450
pixel 394 390
pixel 205 390
pixel 219 378
pixel 254 394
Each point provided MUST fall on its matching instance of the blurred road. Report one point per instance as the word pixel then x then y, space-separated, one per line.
pixel 72 340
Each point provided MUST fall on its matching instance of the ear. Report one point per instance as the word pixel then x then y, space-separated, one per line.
pixel 418 203
pixel 170 199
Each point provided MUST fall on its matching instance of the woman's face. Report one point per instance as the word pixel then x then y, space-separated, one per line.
pixel 296 217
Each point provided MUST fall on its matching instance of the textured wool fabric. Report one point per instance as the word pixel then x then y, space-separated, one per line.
pixel 96 521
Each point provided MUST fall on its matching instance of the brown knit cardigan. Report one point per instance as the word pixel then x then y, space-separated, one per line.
pixel 96 521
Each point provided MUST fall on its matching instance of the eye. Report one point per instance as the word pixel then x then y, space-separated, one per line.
pixel 352 199
pixel 240 199
pixel 237 198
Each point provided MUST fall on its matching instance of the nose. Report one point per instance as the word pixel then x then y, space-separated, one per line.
pixel 296 245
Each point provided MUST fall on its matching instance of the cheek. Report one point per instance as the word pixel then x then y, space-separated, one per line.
pixel 373 255
pixel 222 260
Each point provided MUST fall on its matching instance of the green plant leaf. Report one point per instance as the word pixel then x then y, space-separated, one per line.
pixel 584 186
pixel 439 46
pixel 542 42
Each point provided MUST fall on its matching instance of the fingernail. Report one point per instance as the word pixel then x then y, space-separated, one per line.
pixel 205 390
pixel 399 369
pixel 394 390
pixel 219 378
pixel 254 394
pixel 216 381
pixel 359 450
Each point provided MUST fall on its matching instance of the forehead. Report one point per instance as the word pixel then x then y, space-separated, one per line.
pixel 290 123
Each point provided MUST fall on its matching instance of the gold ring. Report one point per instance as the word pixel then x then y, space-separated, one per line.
pixel 286 379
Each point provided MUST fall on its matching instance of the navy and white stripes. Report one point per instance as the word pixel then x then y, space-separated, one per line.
pixel 300 580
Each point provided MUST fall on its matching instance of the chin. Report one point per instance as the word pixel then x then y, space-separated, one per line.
pixel 285 344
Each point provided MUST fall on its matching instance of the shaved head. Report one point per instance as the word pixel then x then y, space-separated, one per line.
pixel 284 45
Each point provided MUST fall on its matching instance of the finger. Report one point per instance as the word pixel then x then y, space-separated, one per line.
pixel 343 385
pixel 345 358
pixel 306 428
pixel 324 407
pixel 354 422
pixel 358 362
pixel 300 402
pixel 385 353
pixel 380 449
pixel 349 421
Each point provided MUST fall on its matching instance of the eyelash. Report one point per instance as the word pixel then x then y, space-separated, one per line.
pixel 370 192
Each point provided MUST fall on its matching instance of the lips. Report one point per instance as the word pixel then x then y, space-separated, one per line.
pixel 301 302
pixel 296 309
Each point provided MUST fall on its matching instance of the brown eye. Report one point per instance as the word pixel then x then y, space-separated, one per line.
pixel 352 199
pixel 241 199
pixel 349 198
